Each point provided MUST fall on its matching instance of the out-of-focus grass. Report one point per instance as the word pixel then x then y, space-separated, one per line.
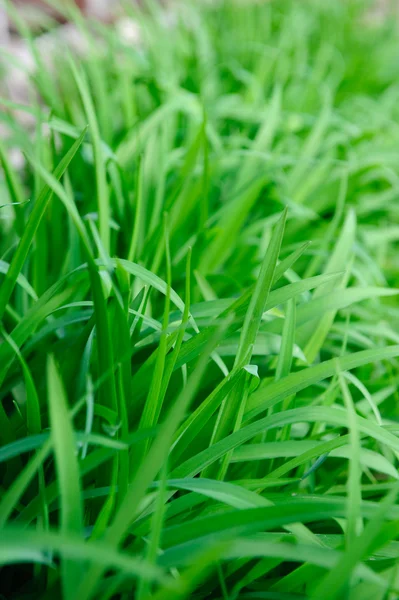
pixel 199 340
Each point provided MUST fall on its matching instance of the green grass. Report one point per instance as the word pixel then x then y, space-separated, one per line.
pixel 199 354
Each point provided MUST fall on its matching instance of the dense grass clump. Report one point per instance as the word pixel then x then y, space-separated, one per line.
pixel 198 303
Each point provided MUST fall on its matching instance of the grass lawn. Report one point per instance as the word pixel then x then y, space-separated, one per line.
pixel 199 355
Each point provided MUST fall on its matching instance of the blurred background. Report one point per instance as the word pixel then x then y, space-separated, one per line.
pixel 30 8
pixel 33 12
pixel 46 20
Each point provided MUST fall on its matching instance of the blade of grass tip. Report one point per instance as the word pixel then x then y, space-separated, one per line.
pixel 262 288
pixel 99 161
pixel 332 585
pixel 138 225
pixel 289 261
pixel 363 390
pixel 62 435
pixel 170 366
pixel 232 407
pixel 153 406
pixel 31 226
pixel 354 498
pixel 150 465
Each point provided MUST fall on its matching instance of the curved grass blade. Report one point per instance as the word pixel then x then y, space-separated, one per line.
pixel 273 393
pixel 21 545
pixel 311 414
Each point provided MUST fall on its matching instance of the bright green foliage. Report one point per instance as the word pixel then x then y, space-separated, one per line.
pixel 199 345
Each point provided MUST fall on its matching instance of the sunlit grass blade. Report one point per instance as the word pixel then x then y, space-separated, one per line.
pixel 101 181
pixel 354 522
pixel 232 408
pixel 71 510
pixel 153 406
